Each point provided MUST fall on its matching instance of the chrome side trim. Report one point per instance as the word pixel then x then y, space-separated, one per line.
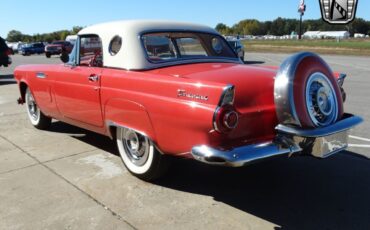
pixel 41 75
pixel 109 124
pixel 283 88
pixel 240 156
pixel 348 122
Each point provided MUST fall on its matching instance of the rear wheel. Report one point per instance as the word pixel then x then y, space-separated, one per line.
pixel 48 55
pixel 37 118
pixel 139 155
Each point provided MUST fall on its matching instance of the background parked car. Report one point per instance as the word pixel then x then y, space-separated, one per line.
pixel 15 46
pixel 5 51
pixel 238 47
pixel 33 48
pixel 56 48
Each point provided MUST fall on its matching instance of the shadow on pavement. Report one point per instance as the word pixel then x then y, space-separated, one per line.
pixel 296 193
pixel 94 139
pixel 7 79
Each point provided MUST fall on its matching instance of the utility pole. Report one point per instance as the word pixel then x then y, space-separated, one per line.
pixel 301 10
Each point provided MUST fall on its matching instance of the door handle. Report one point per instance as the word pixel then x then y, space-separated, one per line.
pixel 94 78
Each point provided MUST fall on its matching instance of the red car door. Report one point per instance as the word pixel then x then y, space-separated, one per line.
pixel 77 86
pixel 77 92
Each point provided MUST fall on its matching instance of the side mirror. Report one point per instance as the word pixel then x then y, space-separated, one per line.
pixel 64 57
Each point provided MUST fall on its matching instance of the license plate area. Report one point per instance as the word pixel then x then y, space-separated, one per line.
pixel 326 146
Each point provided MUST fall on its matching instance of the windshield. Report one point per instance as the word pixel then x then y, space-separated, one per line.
pixel 172 46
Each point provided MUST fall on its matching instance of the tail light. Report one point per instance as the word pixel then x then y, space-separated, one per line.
pixel 226 118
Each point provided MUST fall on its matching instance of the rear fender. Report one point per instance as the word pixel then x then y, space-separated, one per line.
pixel 128 114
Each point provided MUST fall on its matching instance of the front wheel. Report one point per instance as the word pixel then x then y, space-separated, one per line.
pixel 139 155
pixel 37 118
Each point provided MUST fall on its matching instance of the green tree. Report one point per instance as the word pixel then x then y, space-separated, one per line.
pixel 14 36
pixel 76 29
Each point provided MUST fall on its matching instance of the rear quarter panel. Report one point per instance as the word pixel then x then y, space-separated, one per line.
pixel 149 103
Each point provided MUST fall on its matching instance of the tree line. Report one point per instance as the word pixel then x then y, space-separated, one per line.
pixel 285 26
pixel 17 36
pixel 278 27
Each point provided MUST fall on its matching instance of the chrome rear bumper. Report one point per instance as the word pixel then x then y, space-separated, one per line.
pixel 320 142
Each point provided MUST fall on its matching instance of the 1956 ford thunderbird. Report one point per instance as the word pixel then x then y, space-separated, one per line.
pixel 162 88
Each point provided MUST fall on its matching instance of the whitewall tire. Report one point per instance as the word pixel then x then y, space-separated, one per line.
pixel 139 155
pixel 36 117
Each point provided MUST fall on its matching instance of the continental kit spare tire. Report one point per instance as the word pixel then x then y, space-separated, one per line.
pixel 306 92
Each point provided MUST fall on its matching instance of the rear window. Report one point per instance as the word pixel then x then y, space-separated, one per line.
pixel 171 46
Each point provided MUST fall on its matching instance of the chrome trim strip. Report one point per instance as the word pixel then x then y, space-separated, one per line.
pixel 109 124
pixel 41 75
pixel 347 123
pixel 114 124
pixel 214 119
pixel 240 156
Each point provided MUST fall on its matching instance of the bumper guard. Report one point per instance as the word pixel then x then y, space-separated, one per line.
pixel 320 142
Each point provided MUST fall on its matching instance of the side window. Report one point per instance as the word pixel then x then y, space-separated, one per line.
pixel 191 47
pixel 91 53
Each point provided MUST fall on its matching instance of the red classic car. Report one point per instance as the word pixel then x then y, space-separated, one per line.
pixel 161 88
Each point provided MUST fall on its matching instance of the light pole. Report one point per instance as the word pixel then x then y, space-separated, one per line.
pixel 301 10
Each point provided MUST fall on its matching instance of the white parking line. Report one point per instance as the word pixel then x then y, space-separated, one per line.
pixel 358 146
pixel 359 138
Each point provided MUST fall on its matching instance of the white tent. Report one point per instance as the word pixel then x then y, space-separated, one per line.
pixel 326 34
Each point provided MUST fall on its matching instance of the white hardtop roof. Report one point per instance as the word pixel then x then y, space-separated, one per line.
pixel 139 26
pixel 132 55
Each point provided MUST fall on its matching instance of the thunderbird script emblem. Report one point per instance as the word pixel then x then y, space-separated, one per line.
pixel 338 11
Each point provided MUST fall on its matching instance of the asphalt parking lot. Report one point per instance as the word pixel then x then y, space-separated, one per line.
pixel 69 178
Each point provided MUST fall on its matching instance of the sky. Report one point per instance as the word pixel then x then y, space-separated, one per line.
pixel 43 16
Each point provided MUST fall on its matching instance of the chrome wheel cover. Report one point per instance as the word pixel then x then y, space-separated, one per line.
pixel 321 100
pixel 32 108
pixel 136 146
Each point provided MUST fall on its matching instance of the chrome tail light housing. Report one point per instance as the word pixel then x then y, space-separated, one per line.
pixel 226 118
